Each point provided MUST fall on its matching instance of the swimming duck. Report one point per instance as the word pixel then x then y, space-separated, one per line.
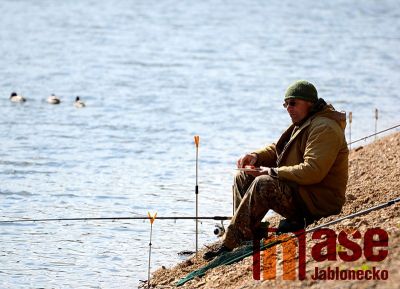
pixel 52 99
pixel 14 97
pixel 79 103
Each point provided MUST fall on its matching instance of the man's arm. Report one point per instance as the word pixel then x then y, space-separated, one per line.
pixel 266 157
pixel 323 144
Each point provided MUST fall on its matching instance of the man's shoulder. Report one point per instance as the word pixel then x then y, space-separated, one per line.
pixel 324 121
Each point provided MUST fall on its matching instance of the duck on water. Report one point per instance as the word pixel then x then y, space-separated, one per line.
pixel 53 99
pixel 79 103
pixel 14 97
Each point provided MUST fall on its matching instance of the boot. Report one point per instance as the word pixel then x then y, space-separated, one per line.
pixel 289 226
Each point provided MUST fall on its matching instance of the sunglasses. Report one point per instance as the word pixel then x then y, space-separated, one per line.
pixel 289 103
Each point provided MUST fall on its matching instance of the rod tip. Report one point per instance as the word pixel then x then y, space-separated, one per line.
pixel 197 140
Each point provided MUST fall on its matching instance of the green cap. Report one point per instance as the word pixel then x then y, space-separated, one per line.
pixel 302 89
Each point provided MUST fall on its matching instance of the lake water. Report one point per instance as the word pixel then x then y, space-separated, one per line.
pixel 153 74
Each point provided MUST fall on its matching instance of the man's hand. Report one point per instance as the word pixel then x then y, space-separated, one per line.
pixel 262 171
pixel 247 160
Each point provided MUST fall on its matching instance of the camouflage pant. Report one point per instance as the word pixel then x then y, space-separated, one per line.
pixel 253 198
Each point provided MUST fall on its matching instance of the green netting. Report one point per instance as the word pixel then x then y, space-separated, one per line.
pixel 227 259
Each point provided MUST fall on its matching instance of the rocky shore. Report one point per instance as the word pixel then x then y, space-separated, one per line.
pixel 374 178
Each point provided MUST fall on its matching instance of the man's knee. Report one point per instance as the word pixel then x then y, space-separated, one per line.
pixel 267 186
pixel 242 178
pixel 266 180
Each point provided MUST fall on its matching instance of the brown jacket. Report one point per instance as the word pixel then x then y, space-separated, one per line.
pixel 315 157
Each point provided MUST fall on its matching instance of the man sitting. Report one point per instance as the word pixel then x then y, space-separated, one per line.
pixel 302 177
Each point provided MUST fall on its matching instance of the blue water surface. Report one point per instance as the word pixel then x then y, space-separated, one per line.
pixel 153 74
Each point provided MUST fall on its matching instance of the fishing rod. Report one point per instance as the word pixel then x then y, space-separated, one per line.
pixel 377 207
pixel 333 222
pixel 217 218
pixel 197 142
pixel 152 219
pixel 374 134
